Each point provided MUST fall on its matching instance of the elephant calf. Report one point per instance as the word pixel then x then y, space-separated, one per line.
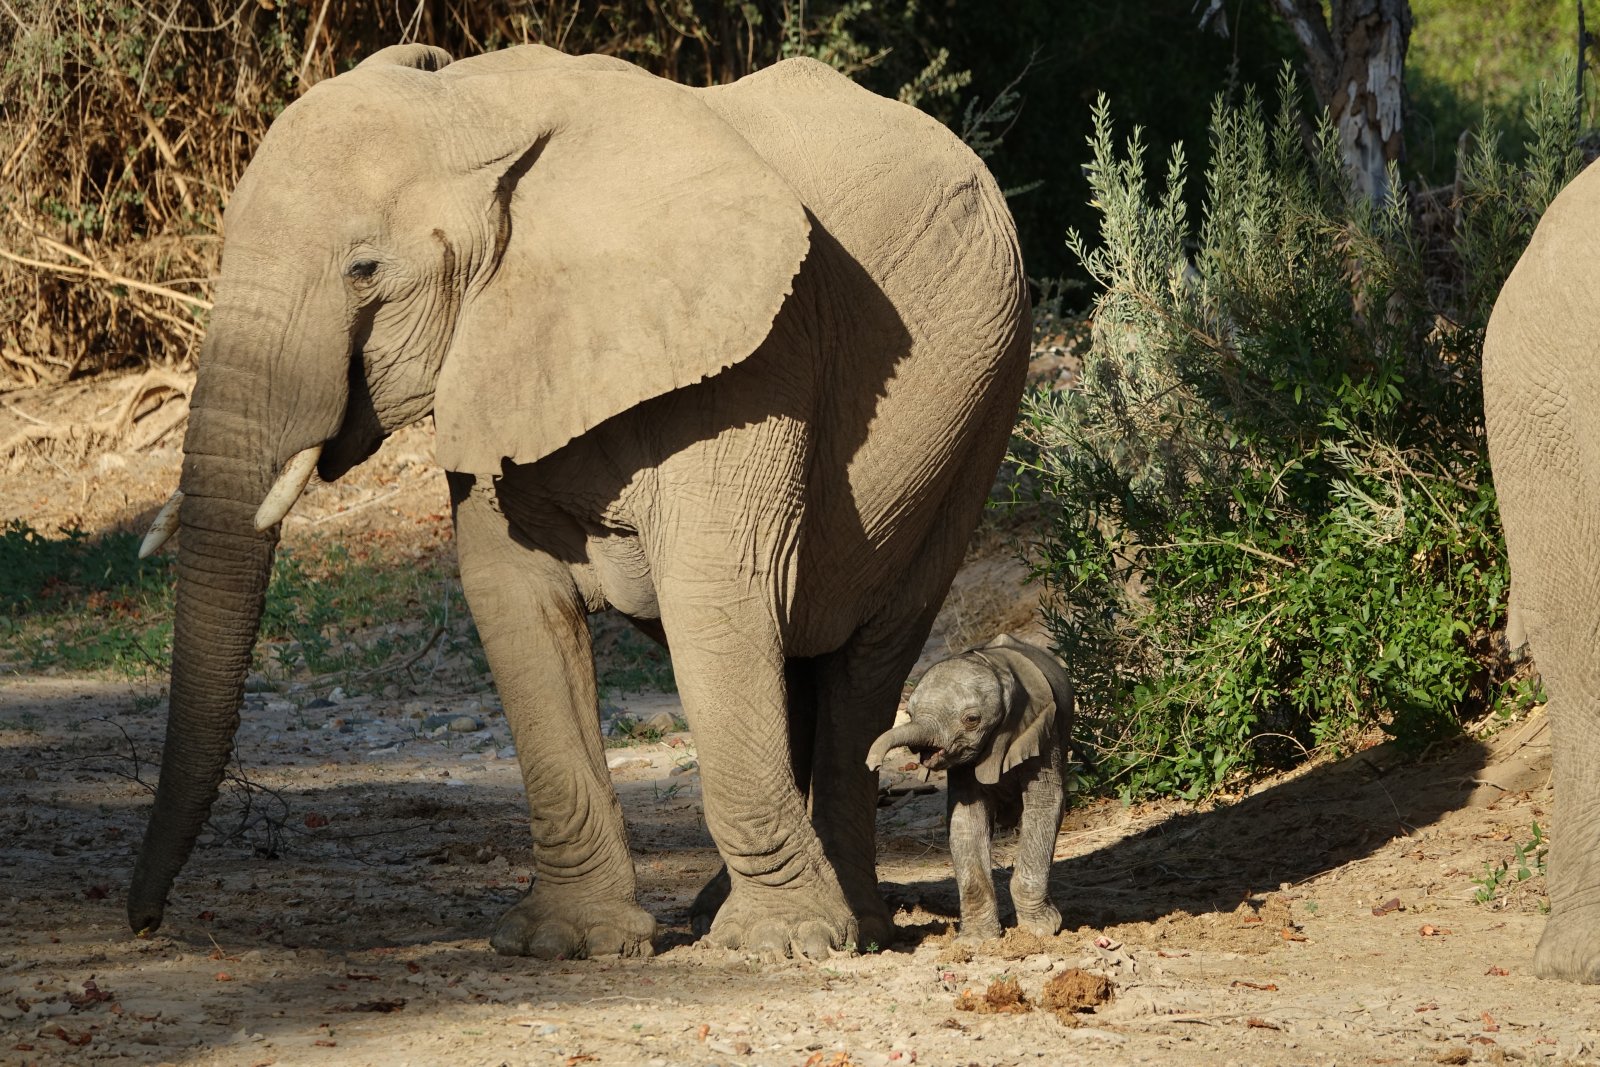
pixel 998 718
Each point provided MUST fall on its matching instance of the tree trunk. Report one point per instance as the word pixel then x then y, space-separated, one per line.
pixel 1357 65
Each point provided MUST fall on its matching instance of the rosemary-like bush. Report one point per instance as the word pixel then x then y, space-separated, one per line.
pixel 1271 525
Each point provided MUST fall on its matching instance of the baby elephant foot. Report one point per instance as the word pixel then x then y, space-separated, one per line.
pixel 773 924
pixel 1042 919
pixel 570 926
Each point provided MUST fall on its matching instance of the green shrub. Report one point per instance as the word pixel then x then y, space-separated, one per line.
pixel 1272 525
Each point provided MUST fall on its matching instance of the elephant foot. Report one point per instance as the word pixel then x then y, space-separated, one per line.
pixel 1568 951
pixel 1041 919
pixel 979 928
pixel 875 930
pixel 789 921
pixel 569 926
pixel 875 927
pixel 703 912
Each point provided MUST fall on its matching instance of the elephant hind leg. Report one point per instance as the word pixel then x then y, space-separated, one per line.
pixel 1570 946
pixel 800 682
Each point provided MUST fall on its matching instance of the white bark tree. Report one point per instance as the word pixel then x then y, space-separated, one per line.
pixel 1355 54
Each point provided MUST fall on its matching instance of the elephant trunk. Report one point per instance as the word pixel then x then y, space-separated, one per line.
pixel 233 451
pixel 223 569
pixel 910 734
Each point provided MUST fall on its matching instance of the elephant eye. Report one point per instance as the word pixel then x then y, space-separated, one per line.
pixel 971 718
pixel 361 270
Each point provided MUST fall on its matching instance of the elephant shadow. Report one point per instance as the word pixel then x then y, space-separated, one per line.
pixel 1211 860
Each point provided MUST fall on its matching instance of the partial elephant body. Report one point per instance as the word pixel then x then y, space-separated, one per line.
pixel 740 362
pixel 1541 386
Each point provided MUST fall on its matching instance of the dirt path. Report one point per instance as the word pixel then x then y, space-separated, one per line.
pixel 336 913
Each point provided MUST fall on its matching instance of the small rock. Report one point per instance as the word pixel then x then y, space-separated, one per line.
pixel 465 724
pixel 690 767
pixel 337 696
pixel 548 1029
pixel 319 703
pixel 279 707
pixel 661 722
pixel 414 709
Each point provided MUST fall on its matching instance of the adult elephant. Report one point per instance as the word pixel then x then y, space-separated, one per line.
pixel 1541 398
pixel 739 362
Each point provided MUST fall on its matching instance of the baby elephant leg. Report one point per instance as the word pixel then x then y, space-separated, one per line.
pixel 971 824
pixel 1042 801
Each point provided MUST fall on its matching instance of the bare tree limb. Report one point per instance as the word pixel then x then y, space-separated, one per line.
pixel 1310 26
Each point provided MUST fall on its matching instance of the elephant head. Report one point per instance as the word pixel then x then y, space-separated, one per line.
pixel 990 708
pixel 523 244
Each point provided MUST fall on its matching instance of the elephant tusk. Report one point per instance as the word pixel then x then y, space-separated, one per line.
pixel 162 526
pixel 287 489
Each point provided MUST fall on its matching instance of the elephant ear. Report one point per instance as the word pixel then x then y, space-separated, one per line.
pixel 643 246
pixel 1030 728
pixel 416 56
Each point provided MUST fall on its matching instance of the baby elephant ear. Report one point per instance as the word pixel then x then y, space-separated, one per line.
pixel 1030 728
pixel 643 246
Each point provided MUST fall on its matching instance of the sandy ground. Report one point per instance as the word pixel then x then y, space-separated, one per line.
pixel 336 912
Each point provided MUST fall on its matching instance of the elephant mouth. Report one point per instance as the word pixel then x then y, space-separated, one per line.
pixel 934 759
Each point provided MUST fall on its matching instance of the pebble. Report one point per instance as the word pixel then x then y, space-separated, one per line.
pixel 279 707
pixel 691 767
pixel 453 723
pixel 337 696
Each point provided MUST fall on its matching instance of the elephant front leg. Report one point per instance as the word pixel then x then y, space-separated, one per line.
pixel 783 895
pixel 536 636
pixel 971 826
pixel 1043 799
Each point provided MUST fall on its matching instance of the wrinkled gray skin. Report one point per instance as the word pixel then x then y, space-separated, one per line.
pixel 1541 399
pixel 997 719
pixel 739 362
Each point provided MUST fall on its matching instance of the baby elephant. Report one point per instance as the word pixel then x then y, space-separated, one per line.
pixel 998 718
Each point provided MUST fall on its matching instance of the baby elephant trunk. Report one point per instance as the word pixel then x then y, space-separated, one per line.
pixel 912 734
